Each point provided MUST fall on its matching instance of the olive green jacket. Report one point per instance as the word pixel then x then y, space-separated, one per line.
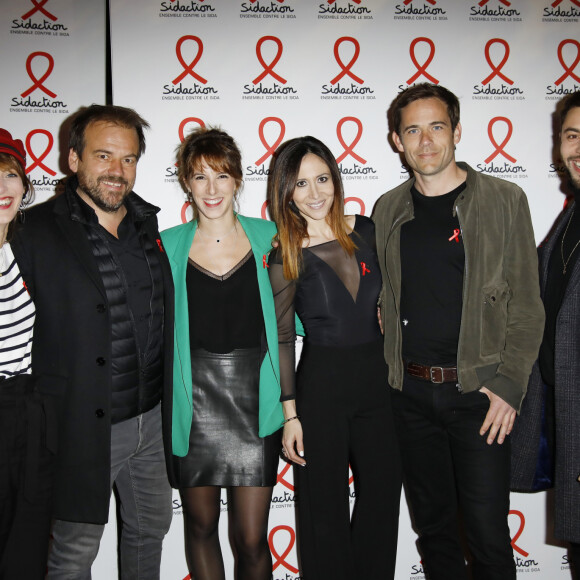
pixel 502 318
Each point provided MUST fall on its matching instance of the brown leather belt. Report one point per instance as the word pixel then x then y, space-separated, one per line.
pixel 435 375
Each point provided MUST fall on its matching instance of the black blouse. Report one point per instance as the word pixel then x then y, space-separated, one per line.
pixel 225 312
pixel 335 297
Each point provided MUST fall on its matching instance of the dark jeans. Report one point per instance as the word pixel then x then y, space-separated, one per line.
pixel 448 467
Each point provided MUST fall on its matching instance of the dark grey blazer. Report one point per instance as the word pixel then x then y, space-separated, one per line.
pixel 526 434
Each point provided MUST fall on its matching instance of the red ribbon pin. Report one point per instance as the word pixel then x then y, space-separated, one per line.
pixel 455 235
pixel 265 261
pixel 364 268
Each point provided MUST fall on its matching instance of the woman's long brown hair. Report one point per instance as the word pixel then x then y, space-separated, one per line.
pixel 292 227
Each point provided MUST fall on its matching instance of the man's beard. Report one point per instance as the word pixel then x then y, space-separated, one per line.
pixel 107 201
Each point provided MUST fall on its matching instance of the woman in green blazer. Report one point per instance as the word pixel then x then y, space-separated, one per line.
pixel 226 387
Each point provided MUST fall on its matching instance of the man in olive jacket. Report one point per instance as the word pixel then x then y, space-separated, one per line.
pixel 462 320
pixel 94 265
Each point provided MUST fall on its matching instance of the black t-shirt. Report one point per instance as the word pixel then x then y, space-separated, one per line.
pixel 432 265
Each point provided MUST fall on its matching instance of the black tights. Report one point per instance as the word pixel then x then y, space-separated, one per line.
pixel 249 508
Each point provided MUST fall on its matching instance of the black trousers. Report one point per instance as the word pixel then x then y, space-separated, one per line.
pixel 26 480
pixel 344 402
pixel 448 467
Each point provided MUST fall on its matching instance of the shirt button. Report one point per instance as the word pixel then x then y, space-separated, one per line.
pixel 100 413
pixel 101 308
pixel 100 361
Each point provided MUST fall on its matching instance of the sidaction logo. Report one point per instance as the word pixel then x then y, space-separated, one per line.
pixel 356 89
pixel 344 10
pixel 357 167
pixel 39 144
pixel 271 131
pixel 282 540
pixel 260 9
pixel 522 560
pixel 562 11
pixel 187 8
pixel 269 84
pixel 419 10
pixel 39 67
pixel 189 84
pixel 568 54
pixel 494 11
pixel 38 19
pixel 497 52
pixel 500 152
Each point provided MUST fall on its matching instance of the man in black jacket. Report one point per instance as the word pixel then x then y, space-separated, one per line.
pixel 93 263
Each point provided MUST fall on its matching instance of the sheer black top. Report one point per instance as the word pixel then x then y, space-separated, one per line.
pixel 335 297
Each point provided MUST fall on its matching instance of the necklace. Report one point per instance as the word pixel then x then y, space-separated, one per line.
pixel 218 240
pixel 565 262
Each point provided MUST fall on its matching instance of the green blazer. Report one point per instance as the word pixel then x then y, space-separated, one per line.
pixel 177 242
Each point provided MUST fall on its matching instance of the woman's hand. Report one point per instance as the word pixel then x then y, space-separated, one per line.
pixel 292 445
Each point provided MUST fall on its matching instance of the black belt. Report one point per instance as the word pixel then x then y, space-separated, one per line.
pixel 433 374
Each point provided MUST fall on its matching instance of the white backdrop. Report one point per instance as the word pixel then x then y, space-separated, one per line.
pixel 269 70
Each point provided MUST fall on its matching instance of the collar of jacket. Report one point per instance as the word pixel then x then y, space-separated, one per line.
pixel 137 207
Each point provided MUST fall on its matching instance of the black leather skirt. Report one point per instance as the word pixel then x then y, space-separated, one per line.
pixel 224 447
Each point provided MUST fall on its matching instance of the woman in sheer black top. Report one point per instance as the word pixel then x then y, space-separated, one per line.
pixel 337 410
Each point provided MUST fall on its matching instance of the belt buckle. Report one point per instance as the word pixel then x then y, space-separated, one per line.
pixel 433 380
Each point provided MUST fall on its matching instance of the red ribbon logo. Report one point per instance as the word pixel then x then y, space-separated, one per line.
pixel 349 149
pixel 496 70
pixel 38 160
pixel 270 149
pixel 556 2
pixel 280 560
pixel 188 68
pixel 364 269
pixel 37 83
pixel 504 2
pixel 568 71
pixel 519 532
pixel 182 125
pixel 432 2
pixel 269 68
pixel 263 212
pixel 333 1
pixel 281 479
pixel 346 68
pixel 499 148
pixel 38 7
pixel 184 208
pixel 455 235
pixel 350 475
pixel 422 69
pixel 358 200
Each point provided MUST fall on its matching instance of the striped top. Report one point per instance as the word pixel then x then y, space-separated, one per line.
pixel 16 318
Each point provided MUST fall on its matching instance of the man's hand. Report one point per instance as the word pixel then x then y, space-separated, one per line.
pixel 499 419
